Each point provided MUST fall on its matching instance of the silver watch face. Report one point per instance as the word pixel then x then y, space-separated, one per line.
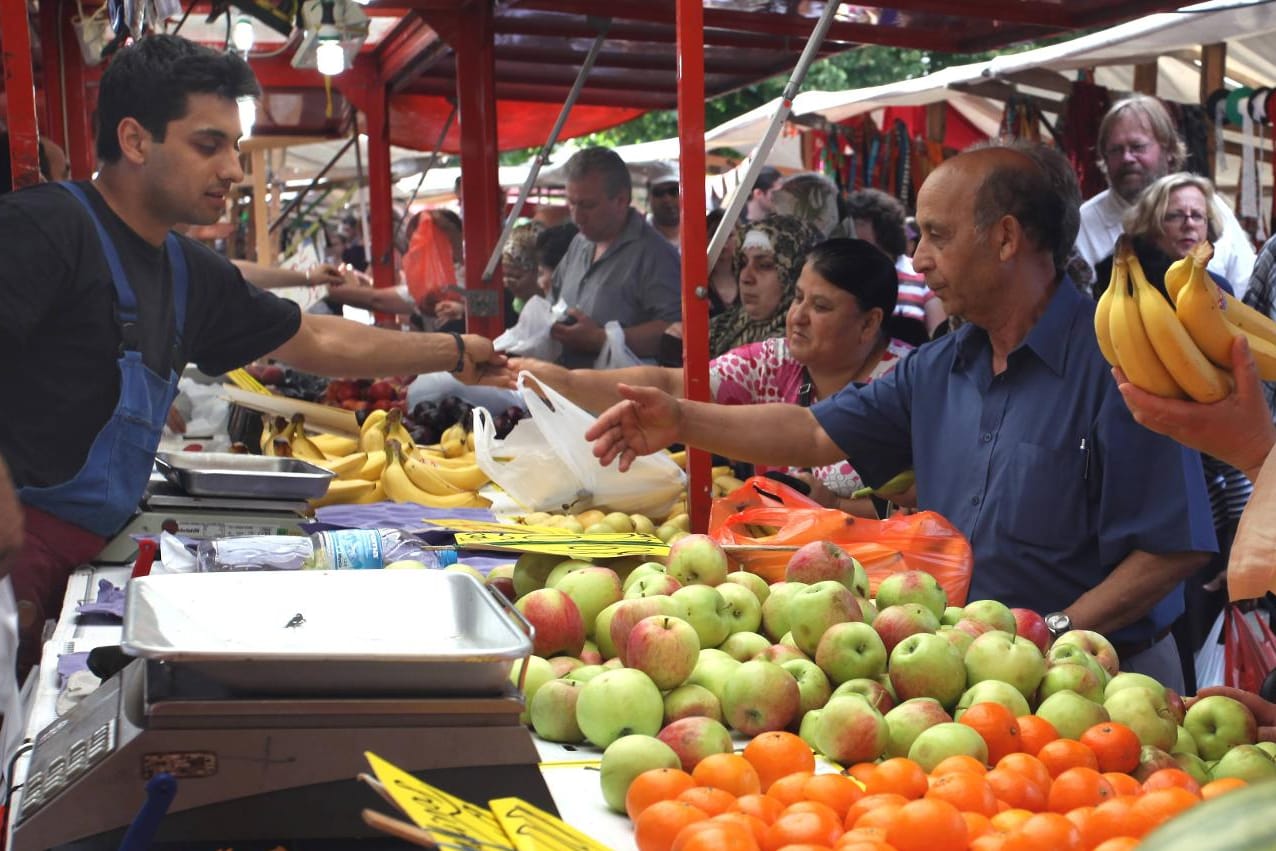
pixel 1058 622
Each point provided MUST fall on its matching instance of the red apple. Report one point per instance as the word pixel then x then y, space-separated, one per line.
pixel 895 623
pixel 629 612
pixel 819 561
pixel 559 628
pixel 664 648
pixel 850 730
pixel 695 738
pixel 1032 626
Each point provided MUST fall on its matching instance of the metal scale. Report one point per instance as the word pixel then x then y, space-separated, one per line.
pixel 264 770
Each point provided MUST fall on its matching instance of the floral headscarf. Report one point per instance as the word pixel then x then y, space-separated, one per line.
pixel 519 253
pixel 810 197
pixel 790 238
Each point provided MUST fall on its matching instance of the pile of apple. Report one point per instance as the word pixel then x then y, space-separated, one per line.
pixel 598 521
pixel 685 652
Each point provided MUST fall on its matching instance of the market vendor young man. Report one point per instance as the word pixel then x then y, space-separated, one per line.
pixel 1013 424
pixel 102 305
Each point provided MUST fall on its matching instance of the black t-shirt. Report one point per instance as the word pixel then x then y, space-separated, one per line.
pixel 59 339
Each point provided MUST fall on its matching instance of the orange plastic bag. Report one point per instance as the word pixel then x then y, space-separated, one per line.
pixel 428 264
pixel 923 541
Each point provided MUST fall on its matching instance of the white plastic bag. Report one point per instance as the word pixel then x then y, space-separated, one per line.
pixel 545 464
pixel 615 354
pixel 12 731
pixel 530 335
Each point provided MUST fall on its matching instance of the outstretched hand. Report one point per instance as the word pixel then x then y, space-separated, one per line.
pixel 1237 430
pixel 646 421
pixel 482 364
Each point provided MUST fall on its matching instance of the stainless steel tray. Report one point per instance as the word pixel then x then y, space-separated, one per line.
pixel 353 632
pixel 228 474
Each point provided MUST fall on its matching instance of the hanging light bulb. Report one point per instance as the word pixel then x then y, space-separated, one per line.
pixel 247 115
pixel 242 35
pixel 330 57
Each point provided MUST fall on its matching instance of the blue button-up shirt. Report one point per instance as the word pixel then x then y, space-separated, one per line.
pixel 1041 467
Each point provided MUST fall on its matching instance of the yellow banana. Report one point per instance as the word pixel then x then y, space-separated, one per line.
pixel 1103 310
pixel 469 441
pixel 438 459
pixel 335 445
pixel 1177 276
pixel 725 484
pixel 341 492
pixel 1204 312
pixel 372 432
pixel 347 466
pixel 426 477
pixel 467 478
pixel 280 447
pixel 400 488
pixel 394 430
pixel 271 427
pixel 1180 356
pixel 1134 351
pixel 373 467
pixel 453 448
pixel 302 447
pixel 679 458
pixel 1249 320
pixel 377 494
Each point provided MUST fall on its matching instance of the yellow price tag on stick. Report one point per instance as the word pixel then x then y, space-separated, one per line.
pixel 464 824
pixel 532 829
pixel 482 535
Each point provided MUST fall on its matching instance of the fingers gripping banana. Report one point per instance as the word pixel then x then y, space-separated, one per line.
pixel 1134 351
pixel 372 432
pixel 1203 311
pixel 1191 370
pixel 1103 310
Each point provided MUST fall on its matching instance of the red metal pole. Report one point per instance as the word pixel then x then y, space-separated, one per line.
pixel 19 87
pixel 380 217
pixel 51 74
pixel 480 182
pixel 695 273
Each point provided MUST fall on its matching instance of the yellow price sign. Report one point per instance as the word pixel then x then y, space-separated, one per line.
pixel 532 829
pixel 481 535
pixel 466 825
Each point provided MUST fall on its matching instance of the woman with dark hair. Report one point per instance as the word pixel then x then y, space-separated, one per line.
pixel 837 332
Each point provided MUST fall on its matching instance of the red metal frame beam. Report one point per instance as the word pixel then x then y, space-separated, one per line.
pixel 19 87
pixel 51 74
pixel 409 48
pixel 380 218
pixel 578 27
pixel 480 183
pixel 444 87
pixel 695 272
pixel 1010 11
pixel 645 61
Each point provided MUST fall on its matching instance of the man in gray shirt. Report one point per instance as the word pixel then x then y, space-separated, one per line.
pixel 617 268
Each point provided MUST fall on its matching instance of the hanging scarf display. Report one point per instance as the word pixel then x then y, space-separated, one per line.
pixel 1079 129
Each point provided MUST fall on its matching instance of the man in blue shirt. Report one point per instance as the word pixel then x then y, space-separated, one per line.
pixel 1013 424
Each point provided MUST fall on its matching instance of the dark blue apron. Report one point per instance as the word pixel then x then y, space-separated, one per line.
pixel 104 493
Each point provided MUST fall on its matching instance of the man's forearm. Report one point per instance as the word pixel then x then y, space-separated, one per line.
pixel 339 348
pixel 595 389
pixel 1131 590
pixel 270 277
pixel 776 435
pixel 644 339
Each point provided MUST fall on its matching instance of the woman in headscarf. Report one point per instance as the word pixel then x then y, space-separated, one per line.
pixel 767 263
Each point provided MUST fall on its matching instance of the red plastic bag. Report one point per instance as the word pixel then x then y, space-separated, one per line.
pixel 1249 648
pixel 922 541
pixel 428 264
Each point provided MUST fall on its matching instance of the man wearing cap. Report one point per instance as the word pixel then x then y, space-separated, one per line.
pixel 662 200
pixel 1137 145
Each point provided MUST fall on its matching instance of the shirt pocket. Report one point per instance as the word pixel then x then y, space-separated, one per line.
pixel 1045 495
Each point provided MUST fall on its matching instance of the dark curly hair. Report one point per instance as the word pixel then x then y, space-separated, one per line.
pixel 887 215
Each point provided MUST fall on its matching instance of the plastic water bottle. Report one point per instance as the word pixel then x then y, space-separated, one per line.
pixel 253 552
pixel 364 549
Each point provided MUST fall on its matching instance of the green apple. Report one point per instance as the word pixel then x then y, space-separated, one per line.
pixel 653 585
pixel 531 571
pixel 689 700
pixel 1151 760
pixel 810 723
pixel 1095 645
pixel 1185 743
pixel 874 691
pixel 813 686
pixel 466 569
pixel 1071 714
pixel 618 703
pixel 913 586
pixel 744 612
pixel 697 560
pixel 554 712
pixel 584 673
pixel 1219 723
pixel 564 665
pixel 905 723
pixel 562 569
pixel 592 589
pixel 642 524
pixel 816 608
pixel 850 730
pixel 712 669
pixel 868 609
pixel 602 630
pixel 936 743
pixel 1075 654
pixel 1193 765
pixel 779 654
pixel 647 568
pixel 1268 748
pixel 1146 713
pixel 775 608
pixel 752 581
pixel 667 531
pixel 998 655
pixel 1245 762
pixel 759 697
pixel 957 638
pixel 951 615
pixel 620 522
pixel 1074 677
pixel 681 521
pixel 695 738
pixel 926 665
pixel 851 650
pixel 539 672
pixel 992 691
pixel 744 645
pixel 1128 679
pixel 626 758
pixel 706 610
pixel 992 613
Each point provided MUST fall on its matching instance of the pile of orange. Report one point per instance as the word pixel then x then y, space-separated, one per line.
pixel 1042 793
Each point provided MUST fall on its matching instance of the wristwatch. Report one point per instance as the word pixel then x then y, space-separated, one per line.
pixel 1058 623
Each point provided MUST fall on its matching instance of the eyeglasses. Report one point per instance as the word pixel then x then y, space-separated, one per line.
pixel 664 191
pixel 1115 152
pixel 1174 217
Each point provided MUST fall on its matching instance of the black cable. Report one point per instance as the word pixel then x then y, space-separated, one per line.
pixel 185 15
pixel 9 788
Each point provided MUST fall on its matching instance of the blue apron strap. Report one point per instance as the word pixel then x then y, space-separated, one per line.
pixel 126 302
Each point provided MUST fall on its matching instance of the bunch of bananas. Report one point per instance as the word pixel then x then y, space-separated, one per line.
pixel 723 481
pixel 383 463
pixel 1181 348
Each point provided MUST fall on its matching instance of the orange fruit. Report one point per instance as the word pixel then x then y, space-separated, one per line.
pixel 1078 787
pixel 712 801
pixel 1166 778
pixel 788 789
pixel 836 790
pixel 821 809
pixel 777 753
pixel 1083 818
pixel 977 824
pixel 1029 766
pixel 805 846
pixel 861 771
pixel 1034 732
pixel 1045 832
pixel 958 763
pixel 1114 818
pixel 863 845
pixel 1115 746
pixel 1217 787
pixel 756 826
pixel 899 775
pixel 658 825
pixel 1123 784
pixel 996 725
pixel 989 842
pixel 764 807
pixel 798 827
pixel 658 784
pixel 1160 805
pixel 865 835
pixel 882 816
pixel 869 803
pixel 1008 821
pixel 965 791
pixel 729 772
pixel 1120 843
pixel 927 825
pixel 1062 754
pixel 712 835
pixel 1016 789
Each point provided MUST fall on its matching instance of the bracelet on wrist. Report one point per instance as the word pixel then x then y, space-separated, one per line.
pixel 460 352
